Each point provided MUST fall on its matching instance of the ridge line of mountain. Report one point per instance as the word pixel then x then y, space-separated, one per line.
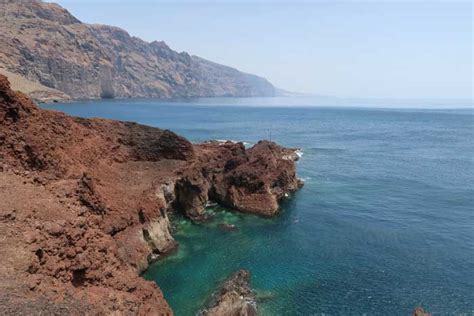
pixel 46 45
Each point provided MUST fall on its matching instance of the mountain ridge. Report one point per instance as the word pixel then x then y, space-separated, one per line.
pixel 45 43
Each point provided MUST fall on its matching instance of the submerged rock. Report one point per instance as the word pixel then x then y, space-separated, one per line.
pixel 234 298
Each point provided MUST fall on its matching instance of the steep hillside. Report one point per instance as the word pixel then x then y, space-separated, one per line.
pixel 44 43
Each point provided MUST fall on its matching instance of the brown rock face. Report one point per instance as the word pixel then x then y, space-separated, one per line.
pixel 252 180
pixel 79 225
pixel 44 43
pixel 84 204
pixel 234 298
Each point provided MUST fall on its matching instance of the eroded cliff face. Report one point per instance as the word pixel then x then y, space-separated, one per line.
pixel 84 204
pixel 44 43
pixel 81 200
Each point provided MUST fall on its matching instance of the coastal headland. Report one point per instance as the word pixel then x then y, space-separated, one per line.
pixel 84 204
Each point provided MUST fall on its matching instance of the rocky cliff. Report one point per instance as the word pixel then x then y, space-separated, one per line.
pixel 44 43
pixel 84 204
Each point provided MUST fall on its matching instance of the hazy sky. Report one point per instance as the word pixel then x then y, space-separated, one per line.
pixel 401 49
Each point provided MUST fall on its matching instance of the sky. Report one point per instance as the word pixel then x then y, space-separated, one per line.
pixel 370 49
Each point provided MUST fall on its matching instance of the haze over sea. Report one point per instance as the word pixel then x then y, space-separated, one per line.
pixel 384 223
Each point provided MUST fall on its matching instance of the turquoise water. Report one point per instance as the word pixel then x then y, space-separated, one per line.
pixel 384 222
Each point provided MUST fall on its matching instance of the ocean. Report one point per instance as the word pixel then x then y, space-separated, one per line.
pixel 384 223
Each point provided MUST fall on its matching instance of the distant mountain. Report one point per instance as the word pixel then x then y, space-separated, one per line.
pixel 44 43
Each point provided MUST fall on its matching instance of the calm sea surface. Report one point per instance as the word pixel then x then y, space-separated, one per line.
pixel 384 223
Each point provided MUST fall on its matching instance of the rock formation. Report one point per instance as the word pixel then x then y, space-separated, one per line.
pixel 249 180
pixel 234 298
pixel 84 204
pixel 45 44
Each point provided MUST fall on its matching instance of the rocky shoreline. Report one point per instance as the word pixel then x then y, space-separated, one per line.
pixel 84 204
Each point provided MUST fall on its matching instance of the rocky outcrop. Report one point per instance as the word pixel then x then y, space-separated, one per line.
pixel 234 298
pixel 45 44
pixel 251 180
pixel 84 204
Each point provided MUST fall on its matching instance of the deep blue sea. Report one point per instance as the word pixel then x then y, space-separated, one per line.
pixel 384 223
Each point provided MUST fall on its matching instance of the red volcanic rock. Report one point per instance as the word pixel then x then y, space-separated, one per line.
pixel 265 177
pixel 89 196
pixel 251 180
pixel 84 204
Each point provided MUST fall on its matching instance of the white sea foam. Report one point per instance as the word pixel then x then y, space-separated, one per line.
pixel 222 141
